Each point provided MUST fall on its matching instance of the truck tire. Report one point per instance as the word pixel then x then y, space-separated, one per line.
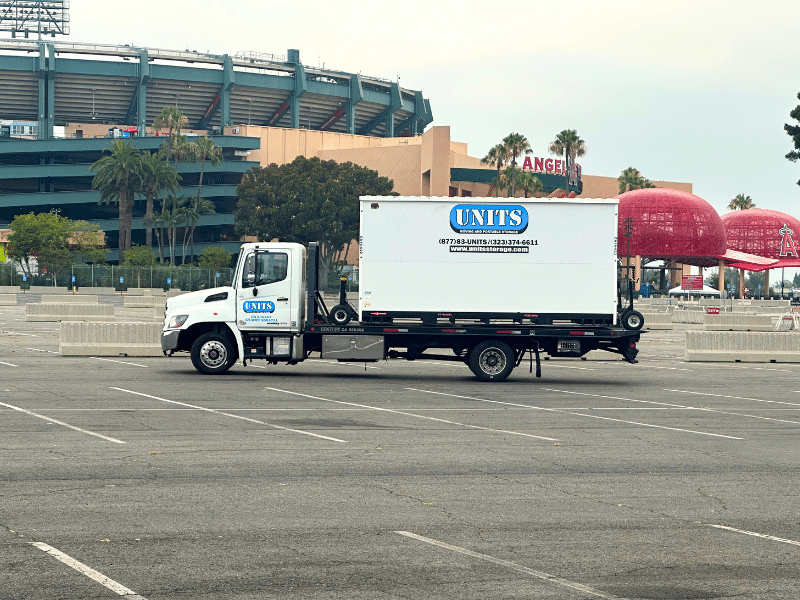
pixel 632 320
pixel 213 353
pixel 341 314
pixel 492 360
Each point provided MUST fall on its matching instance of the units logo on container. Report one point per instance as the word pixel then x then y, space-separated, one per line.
pixel 489 218
pixel 258 306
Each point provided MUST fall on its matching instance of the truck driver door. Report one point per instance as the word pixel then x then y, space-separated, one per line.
pixel 264 293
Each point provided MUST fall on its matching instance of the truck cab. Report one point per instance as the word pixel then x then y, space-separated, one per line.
pixel 262 315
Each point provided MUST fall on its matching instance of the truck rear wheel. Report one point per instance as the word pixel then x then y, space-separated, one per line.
pixel 213 353
pixel 492 360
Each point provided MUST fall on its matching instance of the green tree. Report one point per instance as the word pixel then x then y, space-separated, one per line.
pixel 568 144
pixel 516 144
pixel 306 200
pixel 118 177
pixel 157 176
pixel 530 184
pixel 741 202
pixel 794 132
pixel 87 243
pixel 215 258
pixel 43 237
pixel 140 256
pixel 632 179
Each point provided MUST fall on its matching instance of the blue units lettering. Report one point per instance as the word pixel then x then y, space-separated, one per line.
pixel 258 306
pixel 489 218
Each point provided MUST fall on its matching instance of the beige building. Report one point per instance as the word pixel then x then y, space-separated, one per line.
pixel 419 166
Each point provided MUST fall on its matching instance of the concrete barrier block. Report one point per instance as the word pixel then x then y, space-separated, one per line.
pixel 145 292
pixel 47 289
pixel 657 320
pixel 737 322
pixel 693 317
pixel 8 299
pixel 69 299
pixel 761 310
pixel 173 293
pixel 69 312
pixel 9 289
pixel 739 346
pixel 101 291
pixel 144 301
pixel 110 339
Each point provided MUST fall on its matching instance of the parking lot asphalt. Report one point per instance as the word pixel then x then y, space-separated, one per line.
pixel 141 478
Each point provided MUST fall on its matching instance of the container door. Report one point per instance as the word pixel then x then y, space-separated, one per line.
pixel 264 301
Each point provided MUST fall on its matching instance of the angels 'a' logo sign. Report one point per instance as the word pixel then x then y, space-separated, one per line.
pixel 787 243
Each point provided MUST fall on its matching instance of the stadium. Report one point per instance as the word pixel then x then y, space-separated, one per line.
pixel 61 102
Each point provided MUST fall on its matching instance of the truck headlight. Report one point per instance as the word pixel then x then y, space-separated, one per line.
pixel 177 321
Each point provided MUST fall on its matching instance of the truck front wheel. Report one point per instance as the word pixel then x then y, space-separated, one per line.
pixel 213 353
pixel 492 360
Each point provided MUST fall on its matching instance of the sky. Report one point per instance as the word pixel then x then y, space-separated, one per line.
pixel 688 91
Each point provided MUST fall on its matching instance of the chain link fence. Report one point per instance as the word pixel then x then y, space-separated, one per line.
pixel 188 279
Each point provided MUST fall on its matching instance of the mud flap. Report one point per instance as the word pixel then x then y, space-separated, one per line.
pixel 629 352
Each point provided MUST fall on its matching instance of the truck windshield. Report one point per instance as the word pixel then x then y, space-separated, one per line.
pixel 264 268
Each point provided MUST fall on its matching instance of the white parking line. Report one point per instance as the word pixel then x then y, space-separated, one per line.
pixel 512 565
pixel 567 412
pixel 40 350
pixel 408 414
pixel 226 414
pixel 754 534
pixel 109 583
pixel 732 397
pixel 33 414
pixel 8 364
pixel 119 361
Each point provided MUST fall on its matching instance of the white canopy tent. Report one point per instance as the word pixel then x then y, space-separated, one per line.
pixel 706 291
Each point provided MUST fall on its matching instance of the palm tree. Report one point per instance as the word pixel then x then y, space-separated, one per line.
pixel 157 175
pixel 568 144
pixel 118 177
pixel 631 179
pixel 741 202
pixel 196 208
pixel 516 144
pixel 497 157
pixel 170 217
pixel 204 149
pixel 529 183
pixel 173 120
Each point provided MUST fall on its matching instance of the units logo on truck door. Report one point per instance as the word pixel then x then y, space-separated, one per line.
pixel 489 218
pixel 256 306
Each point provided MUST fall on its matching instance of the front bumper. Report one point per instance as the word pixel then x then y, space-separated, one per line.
pixel 169 340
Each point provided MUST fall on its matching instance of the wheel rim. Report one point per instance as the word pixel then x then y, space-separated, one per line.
pixel 213 354
pixel 339 315
pixel 634 320
pixel 492 361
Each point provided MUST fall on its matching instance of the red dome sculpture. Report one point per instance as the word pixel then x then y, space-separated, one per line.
pixel 766 233
pixel 670 224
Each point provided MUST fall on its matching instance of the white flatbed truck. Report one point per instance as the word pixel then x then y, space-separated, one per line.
pixel 465 279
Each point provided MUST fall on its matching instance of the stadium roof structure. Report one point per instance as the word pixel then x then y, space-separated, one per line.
pixel 57 83
pixel 671 224
pixel 764 233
